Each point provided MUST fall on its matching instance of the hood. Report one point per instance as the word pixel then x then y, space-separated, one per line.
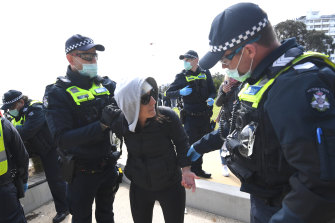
pixel 128 98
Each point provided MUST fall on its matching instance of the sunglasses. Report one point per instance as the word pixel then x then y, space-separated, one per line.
pixel 87 56
pixel 145 99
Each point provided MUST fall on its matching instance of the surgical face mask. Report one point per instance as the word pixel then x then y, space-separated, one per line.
pixel 89 70
pixel 187 65
pixel 235 74
pixel 14 112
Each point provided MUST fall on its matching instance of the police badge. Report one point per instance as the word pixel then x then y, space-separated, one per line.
pixel 320 100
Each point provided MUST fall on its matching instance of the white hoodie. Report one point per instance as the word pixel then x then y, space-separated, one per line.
pixel 128 98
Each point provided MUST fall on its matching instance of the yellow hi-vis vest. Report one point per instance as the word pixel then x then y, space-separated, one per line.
pixel 200 76
pixel 23 118
pixel 80 95
pixel 3 155
pixel 254 93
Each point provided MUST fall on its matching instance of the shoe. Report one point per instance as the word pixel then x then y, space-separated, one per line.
pixel 225 171
pixel 60 216
pixel 203 174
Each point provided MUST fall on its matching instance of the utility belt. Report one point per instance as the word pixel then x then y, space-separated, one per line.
pixel 92 168
pixel 202 113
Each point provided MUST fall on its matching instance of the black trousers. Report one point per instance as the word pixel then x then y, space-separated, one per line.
pixel 11 210
pixel 171 200
pixel 53 175
pixel 196 127
pixel 86 188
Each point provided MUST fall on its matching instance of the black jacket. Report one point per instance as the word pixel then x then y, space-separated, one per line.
pixel 76 128
pixel 157 152
pixel 288 159
pixel 34 130
pixel 17 155
pixel 201 90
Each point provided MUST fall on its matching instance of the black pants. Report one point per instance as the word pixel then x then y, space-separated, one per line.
pixel 85 188
pixel 11 210
pixel 53 175
pixel 172 201
pixel 196 127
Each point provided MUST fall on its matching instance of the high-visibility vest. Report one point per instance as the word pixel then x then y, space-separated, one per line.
pixel 23 118
pixel 3 155
pixel 80 95
pixel 253 93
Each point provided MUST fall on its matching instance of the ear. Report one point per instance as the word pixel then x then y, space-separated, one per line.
pixel 250 50
pixel 69 58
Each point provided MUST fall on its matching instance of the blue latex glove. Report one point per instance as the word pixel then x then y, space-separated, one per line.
pixel 185 91
pixel 194 155
pixel 25 187
pixel 210 101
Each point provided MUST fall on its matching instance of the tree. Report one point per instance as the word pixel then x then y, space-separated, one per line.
pixel 291 28
pixel 319 41
pixel 217 80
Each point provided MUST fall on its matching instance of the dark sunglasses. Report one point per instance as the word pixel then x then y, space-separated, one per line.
pixel 145 99
pixel 87 56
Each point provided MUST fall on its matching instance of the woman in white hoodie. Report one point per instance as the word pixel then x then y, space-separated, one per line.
pixel 157 164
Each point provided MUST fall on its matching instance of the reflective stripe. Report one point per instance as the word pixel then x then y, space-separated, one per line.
pixel 254 93
pixel 80 95
pixel 3 155
pixel 200 76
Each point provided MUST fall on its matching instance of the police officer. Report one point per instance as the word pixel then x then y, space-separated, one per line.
pixel 29 119
pixel 197 90
pixel 13 158
pixel 73 112
pixel 282 143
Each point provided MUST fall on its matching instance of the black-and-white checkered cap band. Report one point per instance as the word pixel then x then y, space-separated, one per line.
pixel 75 46
pixel 12 101
pixel 189 55
pixel 242 37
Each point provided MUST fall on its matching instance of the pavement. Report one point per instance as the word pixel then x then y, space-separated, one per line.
pixel 212 164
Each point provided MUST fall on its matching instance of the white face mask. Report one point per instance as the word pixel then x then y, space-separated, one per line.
pixel 236 75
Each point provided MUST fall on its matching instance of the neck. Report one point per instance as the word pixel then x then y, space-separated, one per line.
pixel 194 68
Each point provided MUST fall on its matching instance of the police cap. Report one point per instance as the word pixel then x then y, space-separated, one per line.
pixel 235 25
pixel 83 43
pixel 191 54
pixel 9 99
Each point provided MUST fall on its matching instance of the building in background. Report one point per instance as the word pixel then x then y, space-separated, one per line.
pixel 326 23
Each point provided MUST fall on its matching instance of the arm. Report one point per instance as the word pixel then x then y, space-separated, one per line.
pixel 176 86
pixel 35 119
pixel 17 149
pixel 210 85
pixel 220 98
pixel 312 195
pixel 60 121
pixel 209 142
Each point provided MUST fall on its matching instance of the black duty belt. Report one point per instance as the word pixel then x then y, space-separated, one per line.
pixel 203 113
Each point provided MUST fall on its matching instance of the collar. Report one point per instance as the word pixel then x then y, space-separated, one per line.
pixel 79 80
pixel 276 60
pixel 190 72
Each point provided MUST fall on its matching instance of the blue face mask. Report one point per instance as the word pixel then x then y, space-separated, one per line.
pixel 187 65
pixel 236 75
pixel 89 70
pixel 14 112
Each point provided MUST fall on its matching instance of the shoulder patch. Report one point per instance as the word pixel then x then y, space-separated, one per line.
pixel 304 66
pixel 31 113
pixel 319 100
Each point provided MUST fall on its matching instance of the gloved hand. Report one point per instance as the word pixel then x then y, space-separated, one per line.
pixel 210 101
pixel 194 155
pixel 185 91
pixel 25 187
pixel 109 114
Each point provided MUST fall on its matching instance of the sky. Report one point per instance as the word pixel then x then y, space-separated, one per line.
pixel 141 37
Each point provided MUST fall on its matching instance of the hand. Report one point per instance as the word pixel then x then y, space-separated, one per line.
pixel 194 155
pixel 109 114
pixel 25 187
pixel 188 178
pixel 210 101
pixel 185 91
